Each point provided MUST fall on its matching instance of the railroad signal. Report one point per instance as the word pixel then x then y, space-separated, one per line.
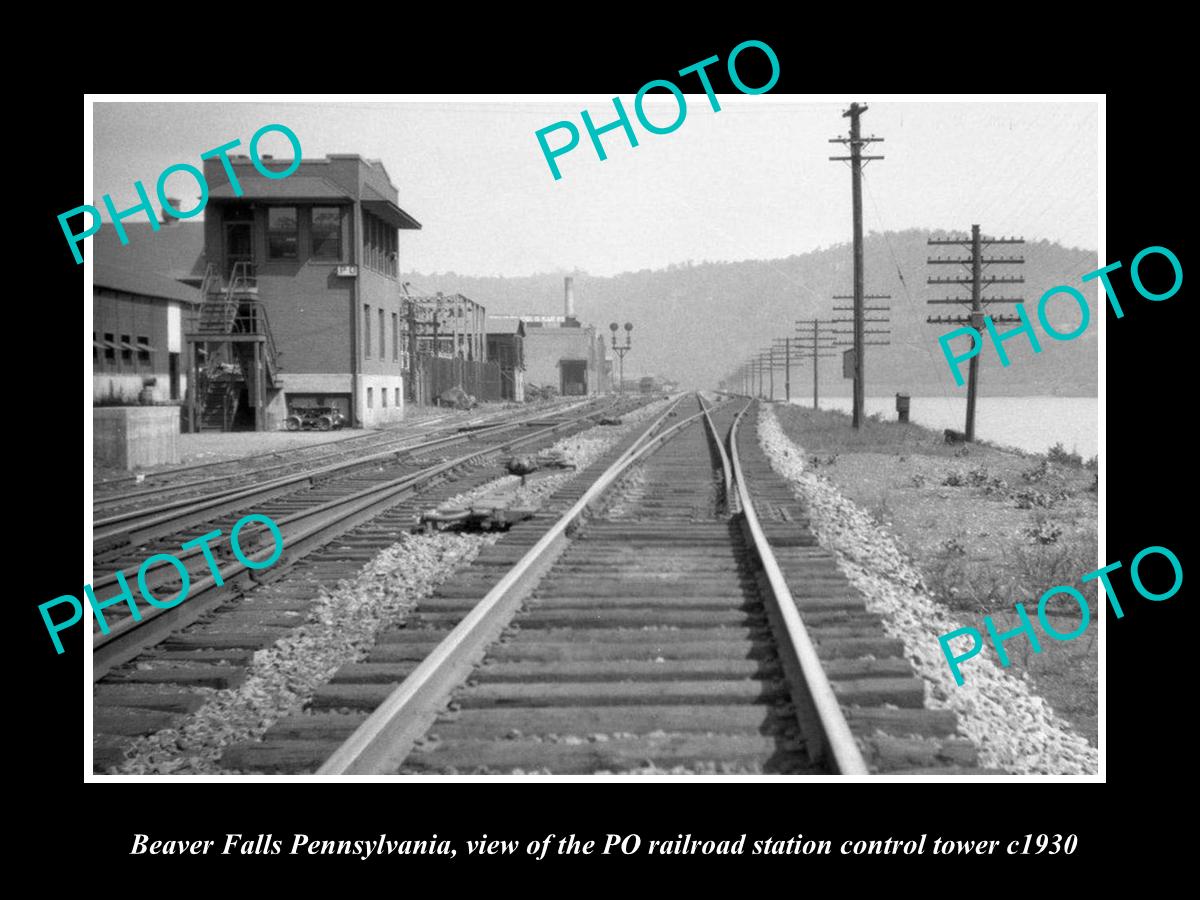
pixel 976 303
pixel 621 350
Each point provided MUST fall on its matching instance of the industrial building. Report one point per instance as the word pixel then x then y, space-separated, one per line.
pixel 302 304
pixel 506 348
pixel 137 337
pixel 562 353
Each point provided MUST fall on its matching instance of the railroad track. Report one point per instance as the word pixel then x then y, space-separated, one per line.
pixel 649 620
pixel 121 503
pixel 149 671
pixel 122 542
pixel 309 510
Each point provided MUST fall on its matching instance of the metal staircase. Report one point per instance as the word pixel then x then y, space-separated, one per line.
pixel 231 318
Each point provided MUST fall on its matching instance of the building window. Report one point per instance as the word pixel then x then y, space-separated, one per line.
pixel 383 397
pixel 109 353
pixel 382 337
pixel 126 353
pixel 366 330
pixel 379 246
pixel 282 232
pixel 395 337
pixel 397 396
pixel 368 240
pixel 326 232
pixel 143 349
pixel 370 397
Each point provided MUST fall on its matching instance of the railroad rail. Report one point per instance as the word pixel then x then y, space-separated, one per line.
pixel 147 483
pixel 667 610
pixel 655 624
pixel 307 520
pixel 117 515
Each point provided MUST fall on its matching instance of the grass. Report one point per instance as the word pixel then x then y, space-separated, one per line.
pixel 987 527
pixel 827 431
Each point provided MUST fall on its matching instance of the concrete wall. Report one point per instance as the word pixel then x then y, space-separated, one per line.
pixel 129 437
pixel 381 399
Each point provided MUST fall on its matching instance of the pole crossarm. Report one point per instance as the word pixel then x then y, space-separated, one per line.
pixel 991 279
pixel 977 302
pixel 936 242
pixel 984 300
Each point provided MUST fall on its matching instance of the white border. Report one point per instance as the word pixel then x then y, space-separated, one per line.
pixel 725 100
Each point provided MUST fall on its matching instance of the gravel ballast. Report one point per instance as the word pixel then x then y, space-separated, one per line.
pixel 342 627
pixel 1013 728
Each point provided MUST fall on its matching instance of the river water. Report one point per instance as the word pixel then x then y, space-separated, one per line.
pixel 1030 423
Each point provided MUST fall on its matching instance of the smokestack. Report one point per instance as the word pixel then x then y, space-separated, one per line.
pixel 569 300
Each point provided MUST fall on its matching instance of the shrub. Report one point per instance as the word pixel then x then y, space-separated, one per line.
pixel 952 547
pixel 1043 532
pixel 1058 454
pixel 954 479
pixel 1037 473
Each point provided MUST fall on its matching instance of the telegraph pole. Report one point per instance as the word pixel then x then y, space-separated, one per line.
pixel 787 368
pixel 976 261
pixel 819 342
pixel 856 159
pixel 861 335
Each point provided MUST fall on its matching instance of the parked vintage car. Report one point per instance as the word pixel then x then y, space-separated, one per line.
pixel 322 418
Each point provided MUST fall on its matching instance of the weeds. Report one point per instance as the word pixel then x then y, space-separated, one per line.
pixel 1042 531
pixel 881 512
pixel 1026 571
pixel 1038 473
pixel 1058 454
pixel 1034 499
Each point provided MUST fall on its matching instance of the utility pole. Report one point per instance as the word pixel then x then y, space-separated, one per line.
pixel 976 261
pixel 856 159
pixel 411 317
pixel 787 368
pixel 820 343
pixel 771 370
pixel 861 335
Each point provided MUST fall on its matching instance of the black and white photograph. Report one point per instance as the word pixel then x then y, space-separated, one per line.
pixel 677 436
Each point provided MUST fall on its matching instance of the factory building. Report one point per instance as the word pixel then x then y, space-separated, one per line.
pixel 506 348
pixel 137 336
pixel 563 354
pixel 301 300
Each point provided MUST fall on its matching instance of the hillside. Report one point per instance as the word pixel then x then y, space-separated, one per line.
pixel 695 321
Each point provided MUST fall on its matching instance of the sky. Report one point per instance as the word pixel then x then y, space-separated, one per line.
pixel 750 181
